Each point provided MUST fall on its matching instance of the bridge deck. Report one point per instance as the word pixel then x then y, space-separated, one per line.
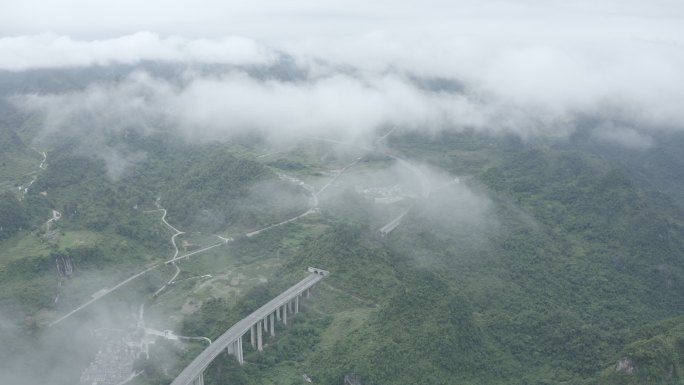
pixel 195 368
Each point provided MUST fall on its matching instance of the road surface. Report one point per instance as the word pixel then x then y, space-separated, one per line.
pixel 314 205
pixel 393 224
pixel 173 260
pixel 100 295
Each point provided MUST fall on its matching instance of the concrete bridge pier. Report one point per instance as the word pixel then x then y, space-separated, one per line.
pixel 259 345
pixel 199 380
pixel 238 350
pixel 252 336
pixel 284 314
pixel 297 304
pixel 235 348
pixel 272 324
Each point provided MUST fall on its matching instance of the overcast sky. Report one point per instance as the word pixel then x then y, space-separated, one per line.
pixel 527 64
pixel 296 19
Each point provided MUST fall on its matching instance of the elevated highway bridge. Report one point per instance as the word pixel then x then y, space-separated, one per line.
pixel 256 324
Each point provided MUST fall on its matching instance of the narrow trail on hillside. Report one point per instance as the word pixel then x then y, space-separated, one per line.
pixel 357 298
pixel 56 215
pixel 41 167
pixel 269 154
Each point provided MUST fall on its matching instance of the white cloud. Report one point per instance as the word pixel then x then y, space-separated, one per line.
pixel 528 66
pixel 209 107
pixel 623 136
pixel 49 51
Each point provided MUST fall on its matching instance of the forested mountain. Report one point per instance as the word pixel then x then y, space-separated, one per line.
pixel 528 260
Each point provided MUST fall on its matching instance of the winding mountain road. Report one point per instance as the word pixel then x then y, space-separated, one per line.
pixel 42 164
pixel 425 185
pixel 175 250
pixel 314 206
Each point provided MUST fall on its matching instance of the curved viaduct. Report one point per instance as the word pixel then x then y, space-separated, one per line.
pixel 260 321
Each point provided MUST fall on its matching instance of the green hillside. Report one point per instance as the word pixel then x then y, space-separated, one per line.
pixel 544 262
pixel 575 255
pixel 18 163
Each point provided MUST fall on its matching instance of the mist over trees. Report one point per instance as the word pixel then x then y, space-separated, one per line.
pixel 496 187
